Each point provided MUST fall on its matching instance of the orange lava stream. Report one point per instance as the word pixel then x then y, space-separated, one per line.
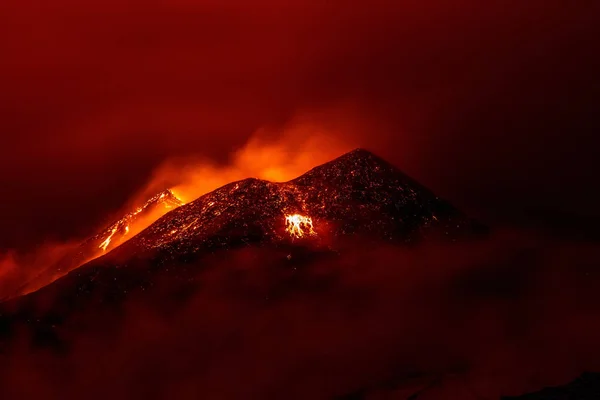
pixel 132 223
pixel 106 242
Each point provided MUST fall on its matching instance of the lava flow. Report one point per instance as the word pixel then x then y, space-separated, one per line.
pixel 137 220
pixel 299 226
pixel 104 241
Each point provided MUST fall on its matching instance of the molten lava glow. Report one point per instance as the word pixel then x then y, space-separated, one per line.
pixel 58 261
pixel 105 244
pixel 301 145
pixel 299 226
pixel 132 223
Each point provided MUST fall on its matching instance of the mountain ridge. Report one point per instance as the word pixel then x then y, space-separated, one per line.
pixel 336 191
pixel 357 195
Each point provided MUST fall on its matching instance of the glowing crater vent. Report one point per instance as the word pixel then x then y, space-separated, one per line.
pixel 299 226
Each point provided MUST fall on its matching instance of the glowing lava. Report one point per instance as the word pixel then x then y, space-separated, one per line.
pixel 106 242
pixel 134 221
pixel 299 226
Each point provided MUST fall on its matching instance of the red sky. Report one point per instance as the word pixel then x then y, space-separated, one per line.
pixel 491 104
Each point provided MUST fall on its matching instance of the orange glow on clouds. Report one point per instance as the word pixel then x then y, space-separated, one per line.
pixel 296 150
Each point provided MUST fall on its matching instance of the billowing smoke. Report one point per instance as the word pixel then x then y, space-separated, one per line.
pixel 276 154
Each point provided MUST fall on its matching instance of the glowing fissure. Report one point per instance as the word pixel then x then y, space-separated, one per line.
pixel 299 226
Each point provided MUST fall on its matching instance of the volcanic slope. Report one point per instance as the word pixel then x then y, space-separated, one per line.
pixel 105 240
pixel 357 198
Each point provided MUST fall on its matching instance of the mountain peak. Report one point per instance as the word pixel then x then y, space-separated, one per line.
pixel 356 164
pixel 166 196
pixel 360 154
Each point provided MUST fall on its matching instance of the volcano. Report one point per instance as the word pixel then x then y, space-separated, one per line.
pixel 352 202
pixel 357 194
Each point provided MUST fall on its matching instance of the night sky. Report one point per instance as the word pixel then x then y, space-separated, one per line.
pixel 493 105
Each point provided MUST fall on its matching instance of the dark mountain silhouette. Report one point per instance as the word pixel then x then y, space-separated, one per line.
pixel 350 203
pixel 357 196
